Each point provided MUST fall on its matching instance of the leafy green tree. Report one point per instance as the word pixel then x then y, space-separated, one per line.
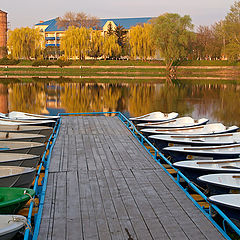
pixel 121 35
pixel 172 33
pixel 25 43
pixel 110 30
pixel 232 31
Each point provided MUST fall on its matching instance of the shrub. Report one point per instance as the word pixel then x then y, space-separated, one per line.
pixel 61 63
pixel 6 61
pixel 42 63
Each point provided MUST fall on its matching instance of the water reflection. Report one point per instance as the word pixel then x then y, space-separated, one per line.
pixel 218 102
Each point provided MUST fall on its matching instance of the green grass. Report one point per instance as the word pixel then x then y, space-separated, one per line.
pixel 134 63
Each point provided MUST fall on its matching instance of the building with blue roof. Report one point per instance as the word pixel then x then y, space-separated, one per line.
pixel 53 33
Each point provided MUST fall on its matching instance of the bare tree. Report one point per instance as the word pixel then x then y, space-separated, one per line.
pixel 80 19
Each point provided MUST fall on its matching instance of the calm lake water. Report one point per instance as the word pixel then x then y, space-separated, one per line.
pixel 216 101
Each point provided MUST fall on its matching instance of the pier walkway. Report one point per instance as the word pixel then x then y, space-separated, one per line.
pixel 103 185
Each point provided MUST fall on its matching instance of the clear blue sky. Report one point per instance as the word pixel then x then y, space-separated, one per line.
pixel 29 12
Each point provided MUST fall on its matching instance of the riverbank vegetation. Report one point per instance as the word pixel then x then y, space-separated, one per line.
pixel 169 37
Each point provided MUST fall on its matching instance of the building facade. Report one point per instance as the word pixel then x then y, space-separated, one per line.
pixel 3 33
pixel 52 33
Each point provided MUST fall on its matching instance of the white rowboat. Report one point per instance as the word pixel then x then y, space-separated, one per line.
pixel 29 116
pixel 23 137
pixel 154 117
pixel 182 122
pixel 13 122
pixel 22 147
pixel 42 130
pixel 203 153
pixel 229 204
pixel 11 176
pixel 19 160
pixel 213 128
pixel 222 183
pixel 10 225
pixel 162 140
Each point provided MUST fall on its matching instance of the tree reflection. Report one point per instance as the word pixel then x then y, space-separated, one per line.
pixel 216 101
pixel 27 97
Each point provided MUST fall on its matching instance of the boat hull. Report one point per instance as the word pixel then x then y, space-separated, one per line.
pixel 13 199
pixel 19 160
pixel 182 156
pixel 22 137
pixel 46 131
pixel 23 180
pixel 233 212
pixel 22 147
pixel 30 117
pixel 161 143
pixel 8 227
pixel 193 174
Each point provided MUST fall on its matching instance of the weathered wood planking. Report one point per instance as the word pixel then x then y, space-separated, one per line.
pixel 103 185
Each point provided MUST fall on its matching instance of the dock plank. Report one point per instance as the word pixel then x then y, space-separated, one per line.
pixel 104 185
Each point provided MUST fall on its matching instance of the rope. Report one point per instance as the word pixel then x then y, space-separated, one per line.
pixel 23 220
pixel 31 198
pixel 205 191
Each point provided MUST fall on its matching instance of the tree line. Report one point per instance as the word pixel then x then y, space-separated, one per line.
pixel 171 36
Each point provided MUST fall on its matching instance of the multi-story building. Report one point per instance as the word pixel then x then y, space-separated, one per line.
pixel 3 33
pixel 52 33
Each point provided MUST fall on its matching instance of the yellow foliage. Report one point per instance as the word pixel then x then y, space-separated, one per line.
pixel 24 43
pixel 141 42
pixel 111 47
pixel 75 42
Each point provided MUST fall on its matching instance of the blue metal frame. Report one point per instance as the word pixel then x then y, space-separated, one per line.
pixel 41 191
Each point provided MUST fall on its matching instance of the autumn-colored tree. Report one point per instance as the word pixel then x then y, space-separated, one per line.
pixel 111 49
pixel 209 42
pixel 80 19
pixel 141 42
pixel 24 43
pixel 75 42
pixel 96 44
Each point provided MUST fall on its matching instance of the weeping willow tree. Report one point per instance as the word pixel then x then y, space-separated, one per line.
pixel 25 43
pixel 96 44
pixel 75 42
pixel 141 43
pixel 111 49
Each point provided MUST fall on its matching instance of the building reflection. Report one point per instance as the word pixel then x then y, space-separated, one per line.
pixel 3 98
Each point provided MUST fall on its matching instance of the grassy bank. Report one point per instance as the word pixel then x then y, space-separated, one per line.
pixel 119 63
pixel 229 73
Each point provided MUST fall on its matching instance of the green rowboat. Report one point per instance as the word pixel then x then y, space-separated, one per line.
pixel 13 199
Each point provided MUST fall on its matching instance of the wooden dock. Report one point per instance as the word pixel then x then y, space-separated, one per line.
pixel 103 185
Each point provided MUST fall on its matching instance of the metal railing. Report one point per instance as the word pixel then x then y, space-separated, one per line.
pixel 40 190
pixel 157 156
pixel 143 140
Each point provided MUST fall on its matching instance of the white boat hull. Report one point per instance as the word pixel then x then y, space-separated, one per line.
pixel 10 225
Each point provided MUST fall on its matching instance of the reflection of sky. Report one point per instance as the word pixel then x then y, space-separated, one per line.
pixel 202 12
pixel 55 111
